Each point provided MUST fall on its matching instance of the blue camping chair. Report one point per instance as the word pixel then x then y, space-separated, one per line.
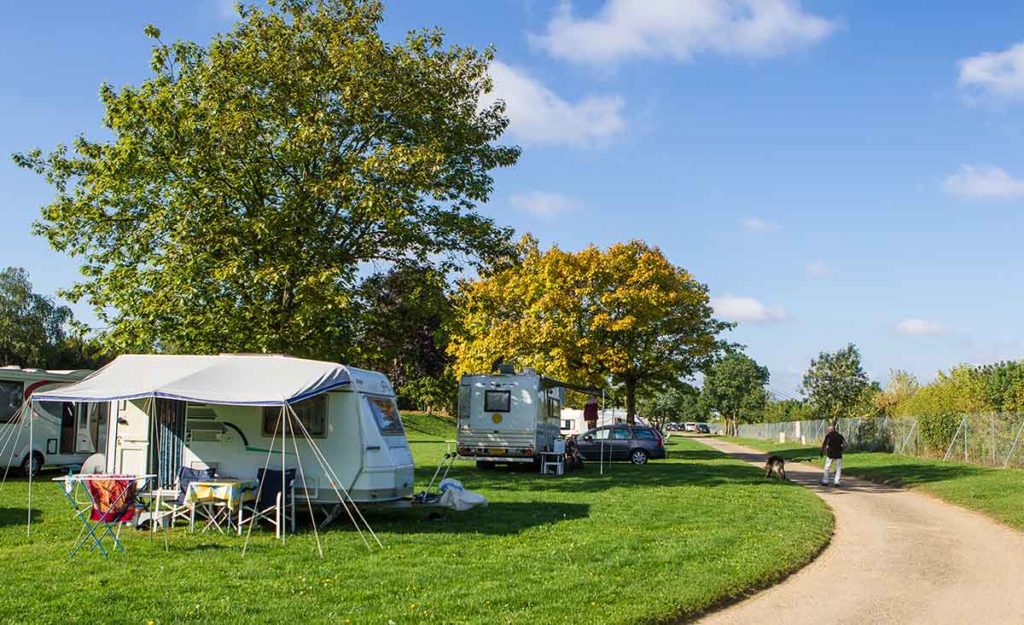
pixel 272 504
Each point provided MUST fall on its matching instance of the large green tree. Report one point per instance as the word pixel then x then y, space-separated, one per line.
pixel 624 315
pixel 734 387
pixel 36 331
pixel 835 384
pixel 247 183
pixel 675 403
pixel 404 316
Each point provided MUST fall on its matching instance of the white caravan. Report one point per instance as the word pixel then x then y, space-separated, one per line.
pixel 224 412
pixel 64 433
pixel 509 417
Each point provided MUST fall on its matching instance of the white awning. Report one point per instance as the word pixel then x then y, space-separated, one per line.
pixel 227 379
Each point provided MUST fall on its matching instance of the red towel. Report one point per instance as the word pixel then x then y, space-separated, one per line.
pixel 113 498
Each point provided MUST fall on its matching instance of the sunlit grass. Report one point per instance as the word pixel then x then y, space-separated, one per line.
pixel 638 544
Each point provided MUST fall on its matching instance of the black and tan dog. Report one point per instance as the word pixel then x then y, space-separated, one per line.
pixel 776 464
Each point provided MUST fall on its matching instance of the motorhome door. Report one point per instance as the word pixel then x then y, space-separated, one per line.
pixel 131 438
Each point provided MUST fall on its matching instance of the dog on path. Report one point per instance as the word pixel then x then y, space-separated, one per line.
pixel 777 465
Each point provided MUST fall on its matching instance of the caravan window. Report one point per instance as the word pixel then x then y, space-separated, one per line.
pixel 312 413
pixel 497 401
pixel 385 412
pixel 10 400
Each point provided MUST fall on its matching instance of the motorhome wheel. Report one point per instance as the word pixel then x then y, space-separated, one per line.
pixel 32 463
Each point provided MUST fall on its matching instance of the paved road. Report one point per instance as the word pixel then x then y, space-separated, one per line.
pixel 896 557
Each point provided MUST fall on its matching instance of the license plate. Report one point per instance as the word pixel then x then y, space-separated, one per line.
pixel 496 451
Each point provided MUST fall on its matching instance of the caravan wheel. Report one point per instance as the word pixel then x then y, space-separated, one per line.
pixel 32 464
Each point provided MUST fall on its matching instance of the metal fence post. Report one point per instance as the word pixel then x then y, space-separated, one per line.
pixel 1013 447
pixel 952 442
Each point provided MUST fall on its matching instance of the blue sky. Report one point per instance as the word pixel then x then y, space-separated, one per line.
pixel 842 171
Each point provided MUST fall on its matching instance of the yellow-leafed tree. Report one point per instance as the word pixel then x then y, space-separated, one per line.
pixel 624 315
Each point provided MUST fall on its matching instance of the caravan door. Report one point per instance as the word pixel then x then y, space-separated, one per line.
pixel 131 441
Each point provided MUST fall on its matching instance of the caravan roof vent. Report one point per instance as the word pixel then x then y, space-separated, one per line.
pixel 506 369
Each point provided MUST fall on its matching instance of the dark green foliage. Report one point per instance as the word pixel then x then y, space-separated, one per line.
pixel 734 387
pixel 835 383
pixel 35 331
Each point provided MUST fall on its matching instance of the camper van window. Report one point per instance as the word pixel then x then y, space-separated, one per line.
pixel 386 413
pixel 312 413
pixel 554 408
pixel 497 401
pixel 10 400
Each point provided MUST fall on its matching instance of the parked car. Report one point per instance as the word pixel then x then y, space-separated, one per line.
pixel 674 427
pixel 634 443
pixel 690 427
pixel 703 428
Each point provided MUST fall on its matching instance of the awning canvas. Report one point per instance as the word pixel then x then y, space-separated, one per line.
pixel 226 379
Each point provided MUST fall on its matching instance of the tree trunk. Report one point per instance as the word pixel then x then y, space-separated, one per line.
pixel 630 401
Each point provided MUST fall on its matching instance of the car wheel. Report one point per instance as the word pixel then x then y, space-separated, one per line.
pixel 32 464
pixel 638 456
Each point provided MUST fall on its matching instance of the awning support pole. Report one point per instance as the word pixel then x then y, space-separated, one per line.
pixel 31 454
pixel 336 484
pixel 259 488
pixel 305 490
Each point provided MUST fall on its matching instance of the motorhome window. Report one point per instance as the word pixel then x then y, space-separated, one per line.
pixel 567 424
pixel 10 400
pixel 50 409
pixel 554 408
pixel 385 411
pixel 497 401
pixel 312 413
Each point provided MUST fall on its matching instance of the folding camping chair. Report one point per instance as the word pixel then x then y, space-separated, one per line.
pixel 271 503
pixel 111 503
pixel 180 508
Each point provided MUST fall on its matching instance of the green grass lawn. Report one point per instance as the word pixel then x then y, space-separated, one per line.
pixel 639 544
pixel 998 493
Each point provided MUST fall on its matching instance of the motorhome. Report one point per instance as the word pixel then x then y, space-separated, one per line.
pixel 63 433
pixel 509 417
pixel 224 412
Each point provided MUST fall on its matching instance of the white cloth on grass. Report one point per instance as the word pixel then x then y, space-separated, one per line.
pixel 455 496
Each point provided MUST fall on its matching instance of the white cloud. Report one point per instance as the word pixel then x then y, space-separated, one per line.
pixel 632 29
pixel 920 327
pixel 543 204
pixel 818 269
pixel 999 74
pixel 734 308
pixel 537 115
pixel 984 182
pixel 756 224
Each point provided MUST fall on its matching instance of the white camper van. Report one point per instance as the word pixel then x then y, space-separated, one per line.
pixel 508 417
pixel 223 412
pixel 64 433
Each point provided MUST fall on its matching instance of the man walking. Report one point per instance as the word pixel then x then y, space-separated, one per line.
pixel 832 448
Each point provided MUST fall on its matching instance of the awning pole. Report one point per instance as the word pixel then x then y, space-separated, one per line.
pixel 259 488
pixel 281 509
pixel 599 415
pixel 305 490
pixel 31 455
